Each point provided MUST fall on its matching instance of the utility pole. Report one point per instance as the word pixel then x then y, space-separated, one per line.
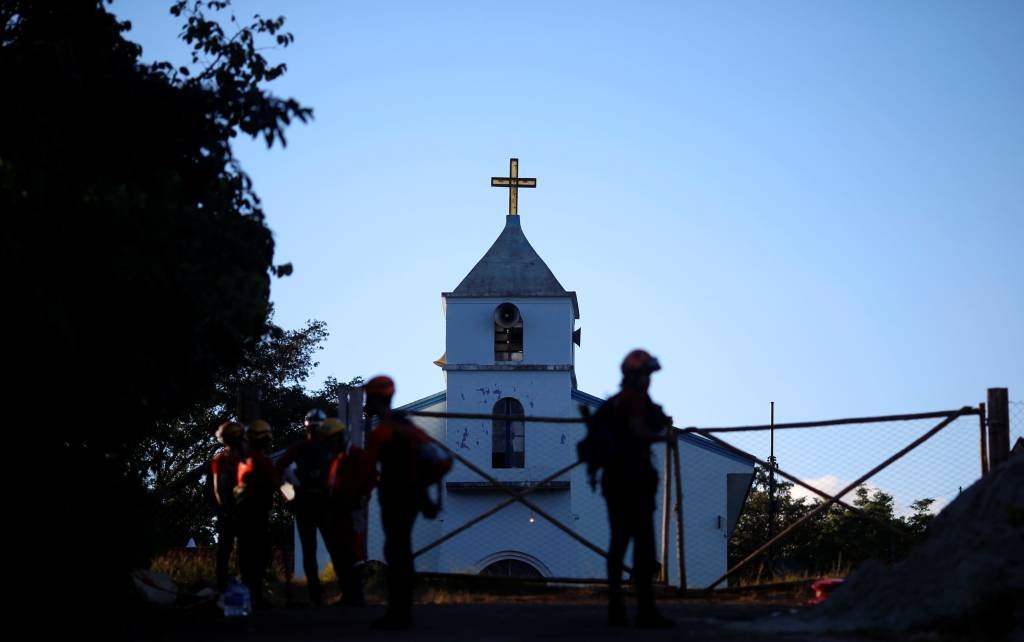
pixel 771 493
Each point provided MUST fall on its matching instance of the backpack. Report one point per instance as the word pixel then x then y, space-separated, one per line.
pixel 430 464
pixel 312 467
pixel 596 448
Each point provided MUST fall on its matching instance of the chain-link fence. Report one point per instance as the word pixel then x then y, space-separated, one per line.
pixel 518 504
pixel 888 477
pixel 1016 422
pixel 560 529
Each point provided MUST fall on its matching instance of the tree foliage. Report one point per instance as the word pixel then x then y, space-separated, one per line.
pixel 146 254
pixel 139 261
pixel 832 541
pixel 173 461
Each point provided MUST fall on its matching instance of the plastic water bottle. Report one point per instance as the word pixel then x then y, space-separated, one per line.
pixel 237 601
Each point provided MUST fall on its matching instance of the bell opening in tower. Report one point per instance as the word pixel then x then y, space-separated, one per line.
pixel 508 333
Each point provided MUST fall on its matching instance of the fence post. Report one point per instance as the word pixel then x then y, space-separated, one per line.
pixel 998 426
pixel 680 532
pixel 984 439
pixel 666 508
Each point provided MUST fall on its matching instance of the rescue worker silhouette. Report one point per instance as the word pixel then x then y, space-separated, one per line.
pixel 394 444
pixel 223 476
pixel 312 458
pixel 631 422
pixel 348 488
pixel 258 482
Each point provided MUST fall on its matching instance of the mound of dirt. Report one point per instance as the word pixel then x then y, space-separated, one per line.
pixel 966 576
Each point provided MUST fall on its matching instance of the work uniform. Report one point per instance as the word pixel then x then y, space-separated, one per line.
pixel 349 485
pixel 258 481
pixel 629 484
pixel 224 476
pixel 394 443
pixel 312 459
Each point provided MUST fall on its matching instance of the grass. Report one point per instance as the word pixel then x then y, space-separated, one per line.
pixel 763 577
pixel 194 569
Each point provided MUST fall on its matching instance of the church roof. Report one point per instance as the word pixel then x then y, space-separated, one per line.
pixel 510 268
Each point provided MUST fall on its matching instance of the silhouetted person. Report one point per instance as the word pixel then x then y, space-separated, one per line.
pixel 312 459
pixel 393 443
pixel 629 483
pixel 223 478
pixel 258 482
pixel 348 487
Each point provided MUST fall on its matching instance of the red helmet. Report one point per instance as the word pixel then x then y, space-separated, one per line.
pixel 380 386
pixel 640 362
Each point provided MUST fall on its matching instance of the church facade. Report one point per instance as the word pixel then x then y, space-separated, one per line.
pixel 510 351
pixel 510 345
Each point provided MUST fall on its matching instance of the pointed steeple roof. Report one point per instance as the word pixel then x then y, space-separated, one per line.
pixel 510 268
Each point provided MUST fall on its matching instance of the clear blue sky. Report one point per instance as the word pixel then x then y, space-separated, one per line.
pixel 820 204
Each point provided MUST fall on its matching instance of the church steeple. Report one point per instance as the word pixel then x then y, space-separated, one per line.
pixel 510 314
pixel 510 268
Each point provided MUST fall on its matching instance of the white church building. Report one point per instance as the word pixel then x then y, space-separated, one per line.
pixel 510 344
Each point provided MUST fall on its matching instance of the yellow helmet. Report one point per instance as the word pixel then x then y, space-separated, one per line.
pixel 258 430
pixel 332 426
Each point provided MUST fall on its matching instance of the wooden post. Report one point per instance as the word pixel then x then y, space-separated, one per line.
pixel 357 430
pixel 984 440
pixel 342 392
pixel 248 403
pixel 352 399
pixel 680 532
pixel 998 426
pixel 666 508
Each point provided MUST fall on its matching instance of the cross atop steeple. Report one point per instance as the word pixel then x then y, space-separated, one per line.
pixel 513 183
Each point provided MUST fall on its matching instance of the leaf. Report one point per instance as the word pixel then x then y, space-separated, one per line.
pixel 285 269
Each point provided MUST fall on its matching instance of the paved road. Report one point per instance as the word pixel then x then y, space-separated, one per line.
pixel 497 622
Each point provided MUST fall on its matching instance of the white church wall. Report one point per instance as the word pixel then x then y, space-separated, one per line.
pixel 547 330
pixel 510 531
pixel 548 448
pixel 515 529
pixel 542 393
pixel 704 502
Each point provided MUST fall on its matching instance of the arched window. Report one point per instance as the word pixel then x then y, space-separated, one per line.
pixel 508 435
pixel 510 568
pixel 508 333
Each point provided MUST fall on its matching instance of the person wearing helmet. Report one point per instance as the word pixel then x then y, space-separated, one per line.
pixel 222 477
pixel 258 482
pixel 629 483
pixel 312 462
pixel 348 487
pixel 314 420
pixel 392 444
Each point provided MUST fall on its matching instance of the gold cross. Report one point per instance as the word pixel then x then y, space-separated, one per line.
pixel 513 183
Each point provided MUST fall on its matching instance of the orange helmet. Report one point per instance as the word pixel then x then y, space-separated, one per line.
pixel 380 386
pixel 640 362
pixel 229 431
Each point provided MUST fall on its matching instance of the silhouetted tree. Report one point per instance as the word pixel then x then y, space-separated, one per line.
pixel 138 258
pixel 834 540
